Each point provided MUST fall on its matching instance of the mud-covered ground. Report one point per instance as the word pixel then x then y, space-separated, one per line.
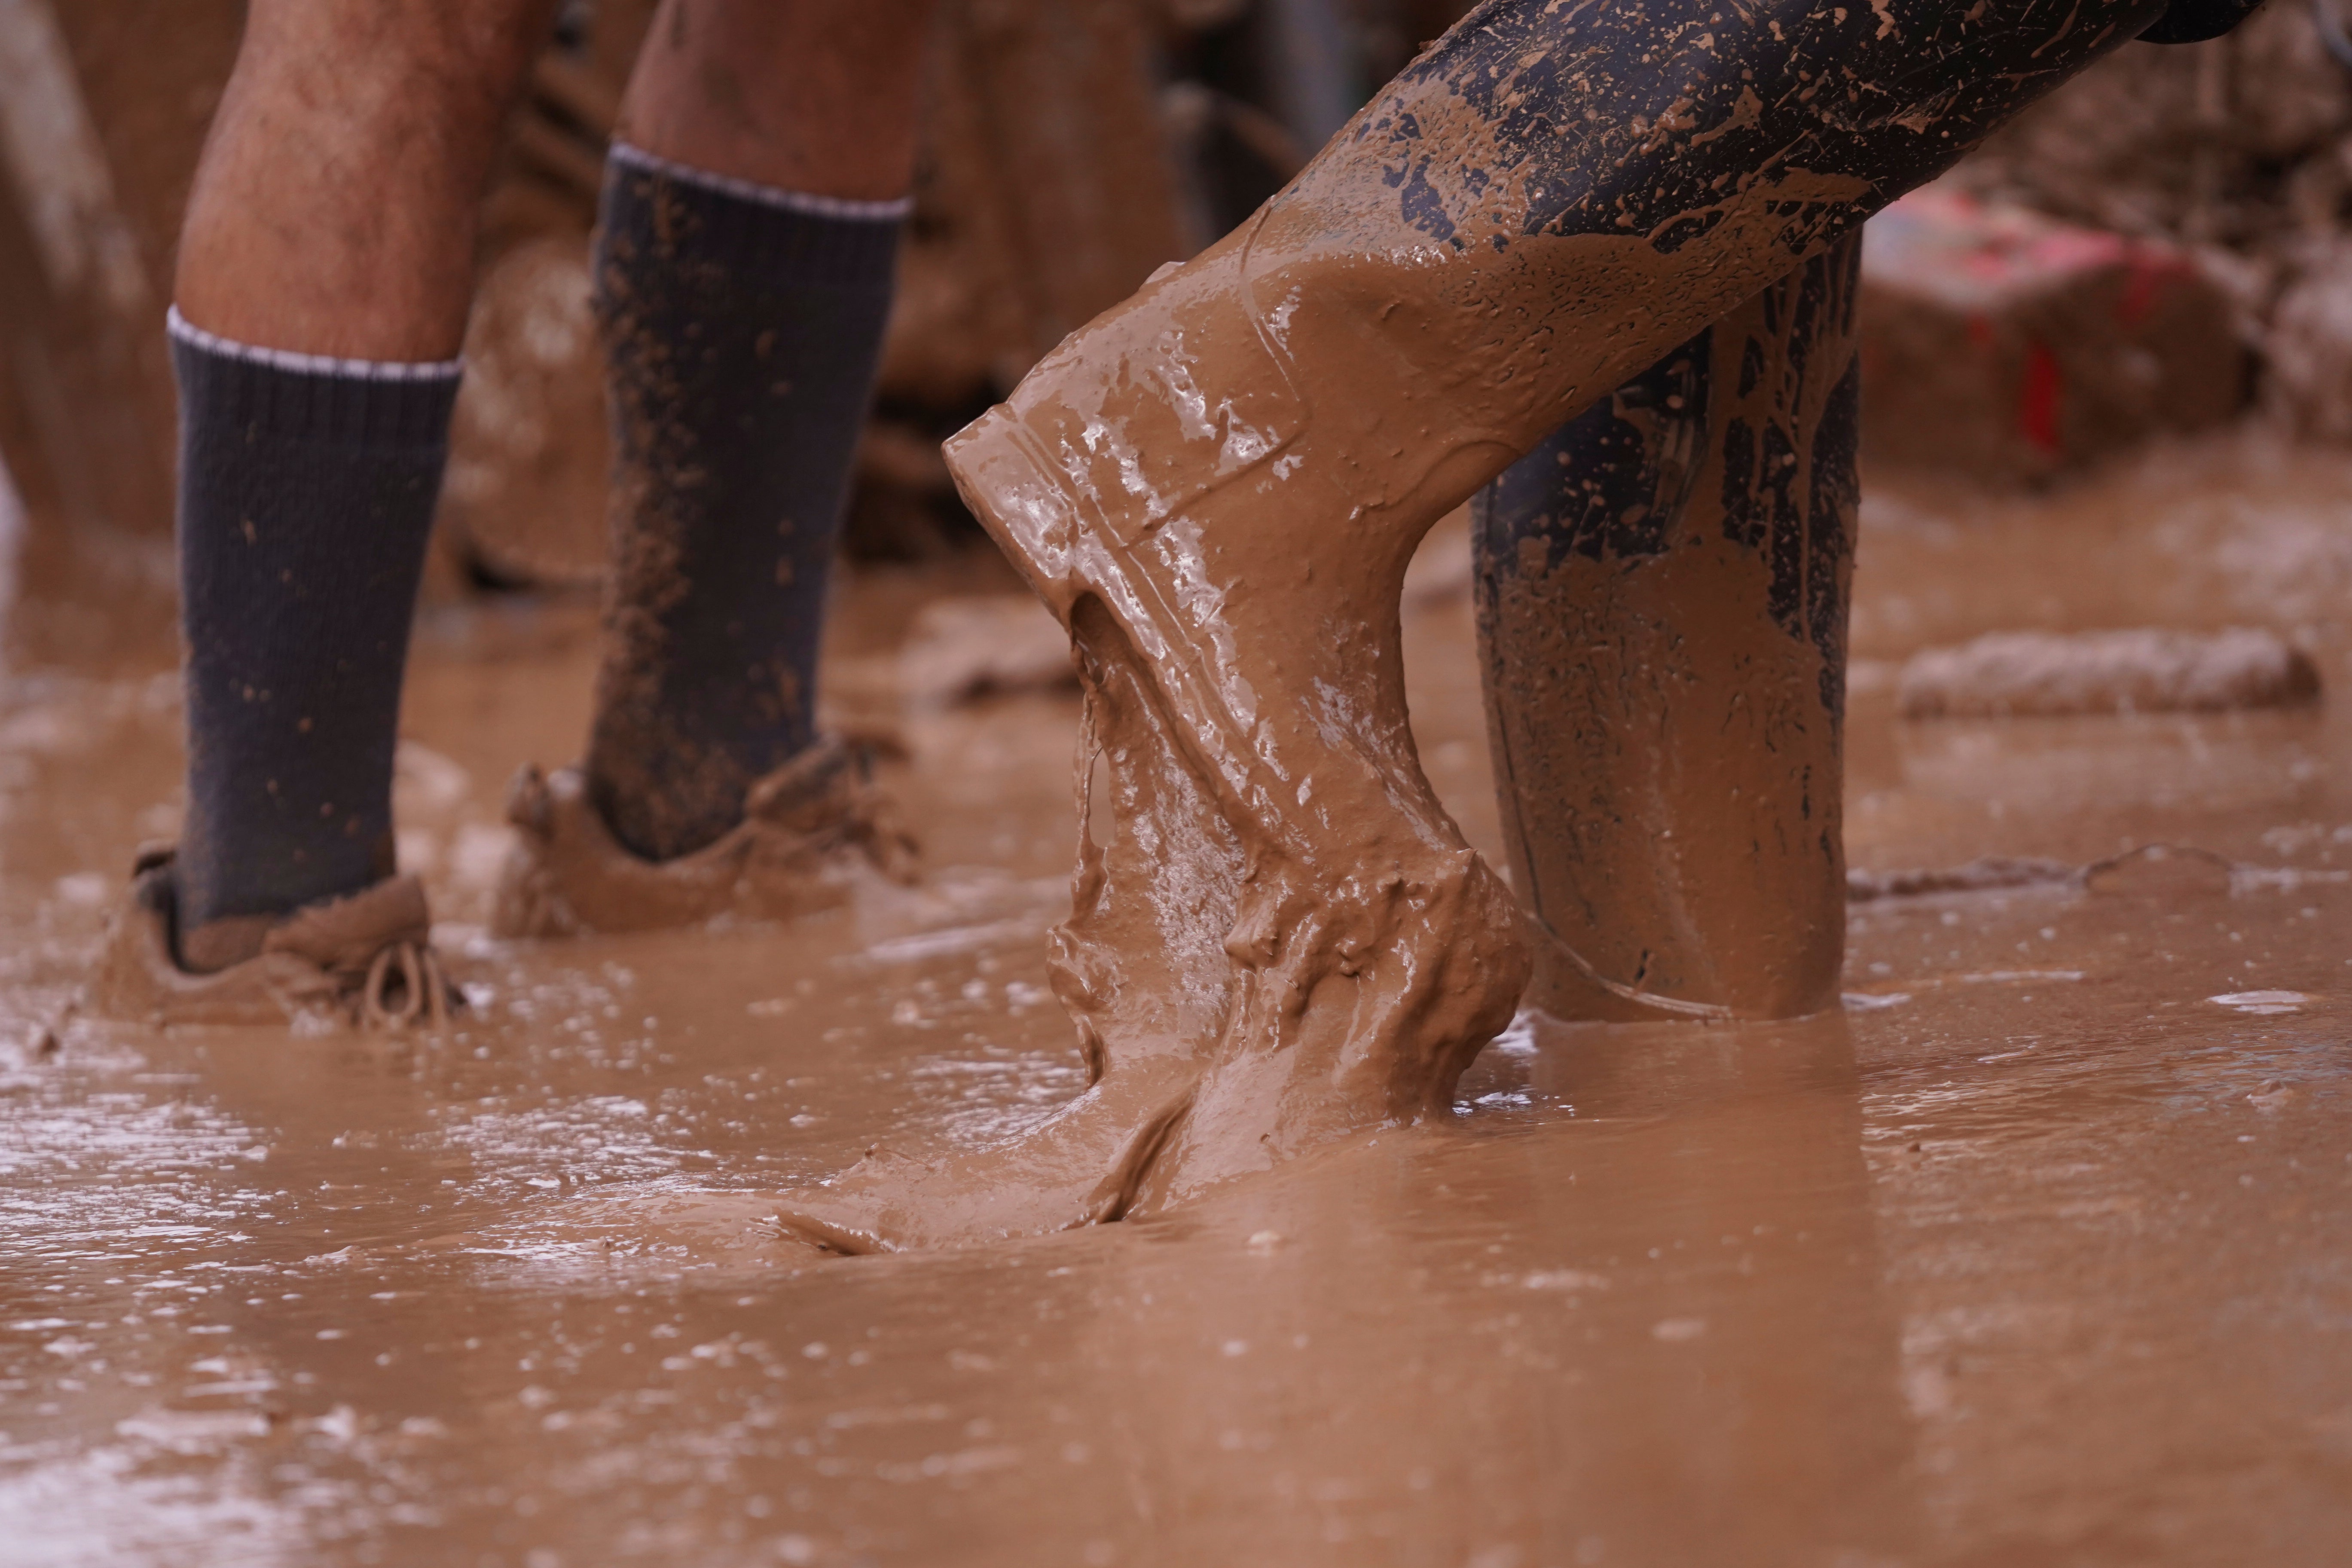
pixel 2036 1254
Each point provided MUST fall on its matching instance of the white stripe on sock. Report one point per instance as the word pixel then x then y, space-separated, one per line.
pixel 766 195
pixel 310 364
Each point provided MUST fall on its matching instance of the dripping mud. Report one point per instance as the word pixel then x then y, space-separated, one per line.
pixel 2026 1253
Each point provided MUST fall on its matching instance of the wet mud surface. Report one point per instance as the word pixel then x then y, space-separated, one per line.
pixel 2032 1253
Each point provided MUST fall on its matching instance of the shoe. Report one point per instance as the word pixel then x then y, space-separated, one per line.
pixel 362 961
pixel 811 831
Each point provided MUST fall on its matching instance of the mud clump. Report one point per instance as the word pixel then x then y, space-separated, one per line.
pixel 1986 873
pixel 2049 674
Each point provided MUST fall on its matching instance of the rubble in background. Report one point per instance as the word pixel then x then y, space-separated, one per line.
pixel 523 499
pixel 2239 150
pixel 2008 346
pixel 1140 130
pixel 2036 674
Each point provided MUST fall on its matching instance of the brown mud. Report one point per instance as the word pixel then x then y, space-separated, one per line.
pixel 1218 486
pixel 2141 670
pixel 810 831
pixel 2032 1255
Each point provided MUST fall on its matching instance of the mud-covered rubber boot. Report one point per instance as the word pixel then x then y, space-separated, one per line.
pixel 364 961
pixel 1217 486
pixel 1662 596
pixel 810 832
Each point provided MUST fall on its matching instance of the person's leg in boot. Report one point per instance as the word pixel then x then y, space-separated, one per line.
pixel 743 270
pixel 1218 485
pixel 1662 610
pixel 1662 629
pixel 324 273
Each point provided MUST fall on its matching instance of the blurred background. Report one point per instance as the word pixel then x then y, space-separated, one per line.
pixel 1074 147
pixel 2159 249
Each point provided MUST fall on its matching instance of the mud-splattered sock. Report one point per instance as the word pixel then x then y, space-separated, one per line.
pixel 307 487
pixel 743 325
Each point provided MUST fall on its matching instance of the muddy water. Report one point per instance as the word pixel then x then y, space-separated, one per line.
pixel 2036 1253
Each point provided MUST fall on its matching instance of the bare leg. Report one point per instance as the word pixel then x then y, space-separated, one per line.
pixel 800 95
pixel 334 210
pixel 1661 607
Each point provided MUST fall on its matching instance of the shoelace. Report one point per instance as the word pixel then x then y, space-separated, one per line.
pixel 425 989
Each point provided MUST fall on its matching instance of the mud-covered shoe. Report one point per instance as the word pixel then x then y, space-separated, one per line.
pixel 810 832
pixel 365 961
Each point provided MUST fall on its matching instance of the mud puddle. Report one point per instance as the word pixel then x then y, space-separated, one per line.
pixel 2035 1254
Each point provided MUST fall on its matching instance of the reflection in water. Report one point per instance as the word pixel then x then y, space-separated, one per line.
pixel 1580 1329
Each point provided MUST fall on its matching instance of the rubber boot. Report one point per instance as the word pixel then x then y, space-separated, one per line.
pixel 1662 593
pixel 1217 486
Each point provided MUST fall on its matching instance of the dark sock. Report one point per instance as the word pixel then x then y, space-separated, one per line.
pixel 742 326
pixel 307 489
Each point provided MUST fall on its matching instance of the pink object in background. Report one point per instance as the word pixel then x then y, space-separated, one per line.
pixel 2014 347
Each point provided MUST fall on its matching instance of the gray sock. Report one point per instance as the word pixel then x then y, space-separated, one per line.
pixel 743 325
pixel 307 489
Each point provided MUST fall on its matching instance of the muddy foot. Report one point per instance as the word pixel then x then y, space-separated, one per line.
pixel 810 832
